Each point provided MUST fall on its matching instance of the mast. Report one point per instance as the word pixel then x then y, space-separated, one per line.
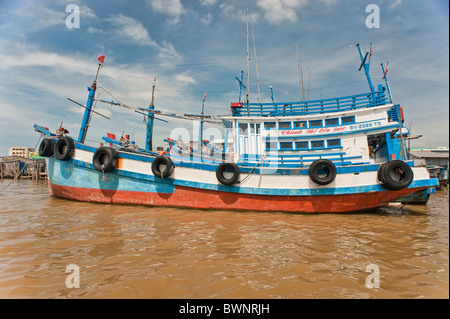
pixel 256 64
pixel 150 120
pixel 366 66
pixel 88 109
pixel 300 75
pixel 248 65
pixel 309 84
pixel 386 80
pixel 241 84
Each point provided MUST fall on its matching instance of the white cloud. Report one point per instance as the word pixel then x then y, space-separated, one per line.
pixel 131 30
pixel 94 30
pixel 227 8
pixel 185 79
pixel 206 19
pixel 394 5
pixel 172 8
pixel 208 2
pixel 168 56
pixel 277 11
pixel 86 12
pixel 230 10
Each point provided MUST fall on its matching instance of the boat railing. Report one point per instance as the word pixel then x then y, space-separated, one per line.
pixel 297 161
pixel 339 104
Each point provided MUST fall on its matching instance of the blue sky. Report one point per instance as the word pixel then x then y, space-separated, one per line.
pixel 199 46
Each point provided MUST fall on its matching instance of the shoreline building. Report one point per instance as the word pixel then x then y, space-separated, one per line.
pixel 24 152
pixel 437 162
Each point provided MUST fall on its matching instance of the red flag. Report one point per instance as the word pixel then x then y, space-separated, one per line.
pixel 371 52
pixel 386 71
pixel 101 58
pixel 154 80
pixel 204 96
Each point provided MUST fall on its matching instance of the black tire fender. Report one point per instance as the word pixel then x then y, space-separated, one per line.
pixel 47 147
pixel 322 171
pixel 105 159
pixel 395 175
pixel 227 167
pixel 165 161
pixel 64 148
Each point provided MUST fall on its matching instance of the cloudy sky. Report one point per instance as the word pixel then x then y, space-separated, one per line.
pixel 198 46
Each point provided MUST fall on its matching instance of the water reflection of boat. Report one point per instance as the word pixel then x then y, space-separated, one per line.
pixel 331 155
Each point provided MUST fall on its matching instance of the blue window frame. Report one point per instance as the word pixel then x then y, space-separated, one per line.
pixel 270 125
pixel 317 144
pixel 333 143
pixel 332 122
pixel 285 145
pixel 348 120
pixel 301 145
pixel 316 123
pixel 284 125
pixel 300 124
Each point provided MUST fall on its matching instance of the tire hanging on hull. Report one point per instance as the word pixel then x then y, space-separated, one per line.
pixel 47 147
pixel 395 175
pixel 158 163
pixel 105 159
pixel 64 148
pixel 322 171
pixel 228 168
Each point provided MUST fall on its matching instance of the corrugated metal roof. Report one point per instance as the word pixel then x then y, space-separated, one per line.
pixel 429 154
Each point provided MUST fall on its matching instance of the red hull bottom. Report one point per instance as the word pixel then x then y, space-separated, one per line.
pixel 207 199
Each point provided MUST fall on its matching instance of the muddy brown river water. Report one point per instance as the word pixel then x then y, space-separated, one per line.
pixel 55 248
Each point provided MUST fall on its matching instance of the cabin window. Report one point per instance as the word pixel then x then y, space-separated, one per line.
pixel 334 143
pixel 300 124
pixel 285 145
pixel 331 122
pixel 269 125
pixel 284 125
pixel 301 145
pixel 243 128
pixel 348 120
pixel 254 128
pixel 271 146
pixel 317 144
pixel 317 123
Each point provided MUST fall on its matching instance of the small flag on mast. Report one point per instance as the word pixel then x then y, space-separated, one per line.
pixel 101 58
pixel 385 72
pixel 204 96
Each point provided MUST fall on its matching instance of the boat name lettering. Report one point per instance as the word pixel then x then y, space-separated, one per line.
pixel 331 129
pixel 365 125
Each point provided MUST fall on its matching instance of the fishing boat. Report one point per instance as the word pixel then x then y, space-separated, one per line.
pixel 335 155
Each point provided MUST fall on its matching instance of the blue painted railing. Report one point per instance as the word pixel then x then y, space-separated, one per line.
pixel 299 161
pixel 312 107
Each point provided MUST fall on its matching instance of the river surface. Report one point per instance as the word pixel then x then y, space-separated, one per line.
pixel 48 245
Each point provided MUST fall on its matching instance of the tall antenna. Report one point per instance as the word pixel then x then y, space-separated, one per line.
pixel 309 84
pixel 256 62
pixel 248 71
pixel 300 74
pixel 150 120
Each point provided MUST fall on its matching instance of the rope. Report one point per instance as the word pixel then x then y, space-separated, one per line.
pixel 253 169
